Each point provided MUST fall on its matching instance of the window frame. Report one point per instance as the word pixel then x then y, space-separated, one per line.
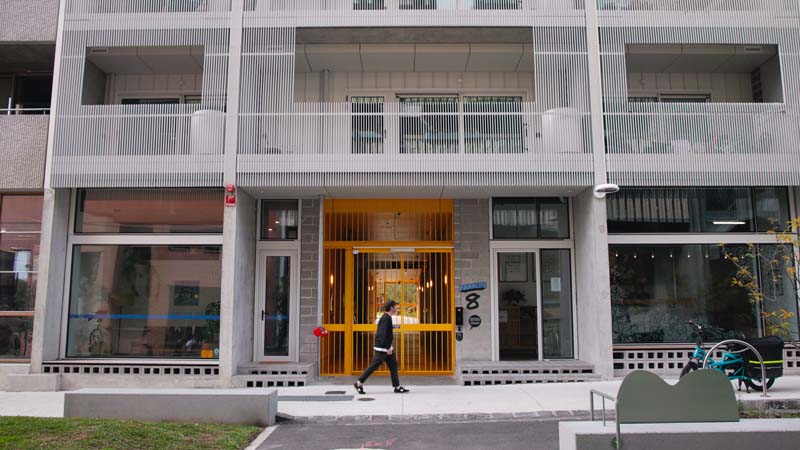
pixel 117 239
pixel 26 313
pixel 696 238
pixel 539 238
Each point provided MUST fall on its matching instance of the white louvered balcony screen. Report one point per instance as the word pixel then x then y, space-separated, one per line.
pixel 474 140
pixel 411 5
pixel 697 5
pixel 145 6
pixel 132 145
pixel 700 143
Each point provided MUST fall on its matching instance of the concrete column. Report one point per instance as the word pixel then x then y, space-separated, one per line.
pixel 593 314
pixel 52 272
pixel 472 265
pixel 238 286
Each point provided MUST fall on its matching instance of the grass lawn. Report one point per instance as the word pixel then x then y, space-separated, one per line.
pixel 53 433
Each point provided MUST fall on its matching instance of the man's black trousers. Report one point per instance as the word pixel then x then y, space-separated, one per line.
pixel 377 360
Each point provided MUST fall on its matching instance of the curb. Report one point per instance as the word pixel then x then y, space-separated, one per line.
pixel 436 418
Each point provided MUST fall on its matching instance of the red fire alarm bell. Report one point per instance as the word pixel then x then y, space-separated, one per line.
pixel 320 331
pixel 230 195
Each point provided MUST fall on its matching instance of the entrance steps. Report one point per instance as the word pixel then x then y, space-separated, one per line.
pixel 255 375
pixel 478 373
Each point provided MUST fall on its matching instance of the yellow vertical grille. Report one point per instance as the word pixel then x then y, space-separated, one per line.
pixel 380 250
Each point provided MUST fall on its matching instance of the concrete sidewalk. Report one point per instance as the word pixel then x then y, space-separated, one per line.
pixel 335 402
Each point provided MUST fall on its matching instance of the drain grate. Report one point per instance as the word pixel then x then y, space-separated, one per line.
pixel 335 393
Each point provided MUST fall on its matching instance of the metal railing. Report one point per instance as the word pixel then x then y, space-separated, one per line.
pixel 411 5
pixel 604 397
pixel 764 382
pixel 415 128
pixel 689 128
pixel 146 6
pixel 139 130
pixel 24 111
pixel 697 5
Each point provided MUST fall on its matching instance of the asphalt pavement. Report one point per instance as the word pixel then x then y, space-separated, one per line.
pixel 501 435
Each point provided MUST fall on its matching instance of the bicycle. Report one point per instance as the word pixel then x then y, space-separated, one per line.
pixel 738 362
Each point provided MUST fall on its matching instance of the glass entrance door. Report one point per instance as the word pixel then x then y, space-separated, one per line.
pixel 518 306
pixel 534 304
pixel 275 306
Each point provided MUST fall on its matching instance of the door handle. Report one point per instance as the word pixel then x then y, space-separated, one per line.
pixel 263 315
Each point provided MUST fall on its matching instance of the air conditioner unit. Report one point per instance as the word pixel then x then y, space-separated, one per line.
pixel 561 131
pixel 207 132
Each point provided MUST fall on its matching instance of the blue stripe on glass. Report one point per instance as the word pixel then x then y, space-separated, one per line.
pixel 142 316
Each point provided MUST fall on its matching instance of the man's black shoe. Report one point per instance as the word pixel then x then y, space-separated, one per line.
pixel 360 388
pixel 400 390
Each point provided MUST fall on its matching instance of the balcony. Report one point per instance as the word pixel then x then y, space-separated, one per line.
pixel 418 135
pixel 705 114
pixel 81 7
pixel 143 116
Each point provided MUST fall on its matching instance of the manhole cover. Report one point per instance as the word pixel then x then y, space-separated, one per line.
pixel 365 399
pixel 335 393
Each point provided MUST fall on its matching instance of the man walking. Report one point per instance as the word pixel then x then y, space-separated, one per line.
pixel 384 351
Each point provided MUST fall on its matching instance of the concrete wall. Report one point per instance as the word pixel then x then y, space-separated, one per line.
pixel 238 287
pixel 309 87
pixel 723 87
pixel 472 265
pixel 8 369
pixel 50 286
pixel 23 146
pixel 94 85
pixel 29 20
pixel 772 88
pixel 593 311
pixel 309 275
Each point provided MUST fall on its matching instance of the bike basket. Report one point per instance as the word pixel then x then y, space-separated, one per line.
pixel 771 350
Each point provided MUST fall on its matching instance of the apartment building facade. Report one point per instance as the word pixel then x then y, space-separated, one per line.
pixel 233 188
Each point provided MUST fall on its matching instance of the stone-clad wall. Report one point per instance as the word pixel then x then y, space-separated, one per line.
pixel 309 274
pixel 472 265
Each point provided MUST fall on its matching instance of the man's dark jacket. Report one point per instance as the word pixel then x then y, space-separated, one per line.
pixel 383 336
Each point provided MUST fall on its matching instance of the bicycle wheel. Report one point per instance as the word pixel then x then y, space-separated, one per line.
pixel 756 385
pixel 689 367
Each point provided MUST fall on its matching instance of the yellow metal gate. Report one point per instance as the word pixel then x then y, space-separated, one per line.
pixel 362 274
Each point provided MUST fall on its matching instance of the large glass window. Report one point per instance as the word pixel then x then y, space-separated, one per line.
pixel 656 289
pixel 149 211
pixel 697 210
pixel 530 218
pixel 20 226
pixel 144 301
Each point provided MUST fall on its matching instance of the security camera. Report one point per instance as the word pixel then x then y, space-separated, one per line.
pixel 601 190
